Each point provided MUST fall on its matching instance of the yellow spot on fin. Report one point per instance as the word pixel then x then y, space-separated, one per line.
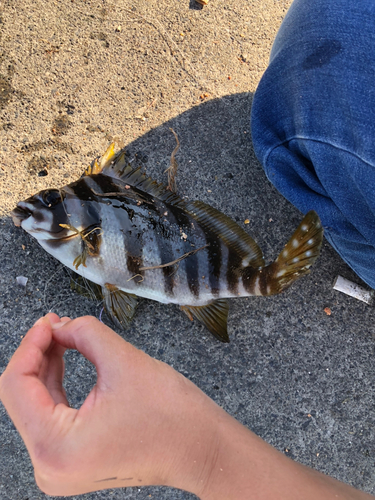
pixel 213 316
pixel 119 305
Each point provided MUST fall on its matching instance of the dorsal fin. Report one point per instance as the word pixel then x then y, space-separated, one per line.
pixel 119 169
pixel 228 230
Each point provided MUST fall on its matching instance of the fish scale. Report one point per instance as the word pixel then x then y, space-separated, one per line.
pixel 129 235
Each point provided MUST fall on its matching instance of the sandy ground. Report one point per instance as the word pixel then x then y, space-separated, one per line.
pixel 78 74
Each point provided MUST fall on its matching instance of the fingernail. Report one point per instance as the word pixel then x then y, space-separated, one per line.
pixel 56 326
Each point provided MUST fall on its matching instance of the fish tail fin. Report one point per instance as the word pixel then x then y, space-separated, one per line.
pixel 298 255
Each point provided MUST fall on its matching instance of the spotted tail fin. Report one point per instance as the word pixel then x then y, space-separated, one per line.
pixel 298 255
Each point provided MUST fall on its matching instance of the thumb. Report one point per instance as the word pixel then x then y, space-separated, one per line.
pixel 24 395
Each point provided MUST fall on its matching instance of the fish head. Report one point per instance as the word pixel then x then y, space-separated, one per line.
pixel 64 222
pixel 44 215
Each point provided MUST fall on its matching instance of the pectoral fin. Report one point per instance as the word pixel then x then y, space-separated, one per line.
pixel 213 316
pixel 120 306
pixel 85 287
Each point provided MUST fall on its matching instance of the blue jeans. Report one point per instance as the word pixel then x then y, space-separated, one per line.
pixel 313 121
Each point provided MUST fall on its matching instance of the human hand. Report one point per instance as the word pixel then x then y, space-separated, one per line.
pixel 142 423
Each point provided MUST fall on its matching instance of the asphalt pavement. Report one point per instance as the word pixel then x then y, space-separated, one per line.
pixel 75 75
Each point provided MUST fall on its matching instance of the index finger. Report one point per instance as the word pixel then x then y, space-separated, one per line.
pixel 99 344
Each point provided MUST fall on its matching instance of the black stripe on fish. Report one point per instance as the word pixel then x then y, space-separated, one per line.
pixel 133 245
pixel 214 263
pixel 263 281
pixel 132 237
pixel 168 273
pixel 191 263
pixel 133 263
pixel 54 243
pixel 165 253
pixel 165 247
pixel 104 184
pixel 58 217
pixel 233 270
pixel 92 239
pixel 250 280
pixel 192 273
pixel 162 233
pixel 92 222
pixel 82 190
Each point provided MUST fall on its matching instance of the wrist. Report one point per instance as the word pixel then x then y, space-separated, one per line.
pixel 192 450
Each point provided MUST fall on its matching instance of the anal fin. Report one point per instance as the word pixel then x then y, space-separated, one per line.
pixel 119 305
pixel 213 316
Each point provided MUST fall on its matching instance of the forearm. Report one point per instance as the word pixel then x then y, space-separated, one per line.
pixel 244 466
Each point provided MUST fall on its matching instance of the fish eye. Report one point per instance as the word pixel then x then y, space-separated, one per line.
pixel 51 197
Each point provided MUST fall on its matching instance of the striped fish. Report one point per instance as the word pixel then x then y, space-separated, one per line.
pixel 132 237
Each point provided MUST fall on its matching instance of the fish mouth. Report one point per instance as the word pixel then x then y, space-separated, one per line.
pixel 19 214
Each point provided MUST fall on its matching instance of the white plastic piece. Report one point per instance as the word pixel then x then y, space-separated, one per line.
pixel 21 280
pixel 349 288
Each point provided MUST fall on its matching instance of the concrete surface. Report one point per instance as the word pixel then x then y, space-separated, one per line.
pixel 76 74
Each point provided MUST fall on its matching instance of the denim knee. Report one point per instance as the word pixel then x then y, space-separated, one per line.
pixel 313 121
